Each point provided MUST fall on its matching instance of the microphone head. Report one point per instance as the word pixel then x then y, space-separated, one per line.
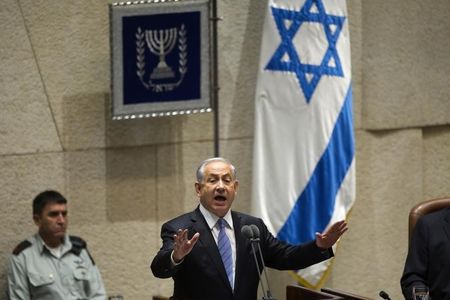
pixel 247 231
pixel 384 295
pixel 255 230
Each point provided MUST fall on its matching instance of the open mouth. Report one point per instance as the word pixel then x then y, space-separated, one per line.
pixel 220 198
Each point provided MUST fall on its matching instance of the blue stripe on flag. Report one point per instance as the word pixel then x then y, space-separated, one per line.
pixel 314 208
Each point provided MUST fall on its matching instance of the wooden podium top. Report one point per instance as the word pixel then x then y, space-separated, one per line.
pixel 295 292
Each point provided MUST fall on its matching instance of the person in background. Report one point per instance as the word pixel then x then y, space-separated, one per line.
pixel 428 260
pixel 51 264
pixel 208 257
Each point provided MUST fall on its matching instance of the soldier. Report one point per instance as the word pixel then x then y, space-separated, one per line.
pixel 51 264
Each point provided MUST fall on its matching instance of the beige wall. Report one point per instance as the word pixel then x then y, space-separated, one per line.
pixel 124 178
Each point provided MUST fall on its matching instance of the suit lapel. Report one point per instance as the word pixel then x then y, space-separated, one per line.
pixel 241 250
pixel 207 241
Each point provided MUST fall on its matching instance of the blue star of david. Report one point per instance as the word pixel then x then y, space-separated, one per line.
pixel 287 49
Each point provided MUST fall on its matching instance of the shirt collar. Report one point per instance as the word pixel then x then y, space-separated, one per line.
pixel 211 218
pixel 66 244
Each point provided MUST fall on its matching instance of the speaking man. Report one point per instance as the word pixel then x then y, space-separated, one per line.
pixel 208 257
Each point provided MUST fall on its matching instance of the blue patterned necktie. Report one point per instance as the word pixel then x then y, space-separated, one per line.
pixel 223 242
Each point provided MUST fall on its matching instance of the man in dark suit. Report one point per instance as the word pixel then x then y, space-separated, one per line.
pixel 428 260
pixel 193 244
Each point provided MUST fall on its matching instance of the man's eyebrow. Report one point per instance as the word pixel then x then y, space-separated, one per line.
pixel 57 212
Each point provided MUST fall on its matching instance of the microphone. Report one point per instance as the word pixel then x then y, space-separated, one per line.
pixel 256 233
pixel 248 233
pixel 384 295
pixel 251 232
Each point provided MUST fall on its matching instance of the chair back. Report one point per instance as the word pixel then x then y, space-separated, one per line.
pixel 424 208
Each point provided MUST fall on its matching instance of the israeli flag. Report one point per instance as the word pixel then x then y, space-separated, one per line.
pixel 304 166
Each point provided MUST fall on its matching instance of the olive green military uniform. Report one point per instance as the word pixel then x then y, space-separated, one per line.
pixel 34 272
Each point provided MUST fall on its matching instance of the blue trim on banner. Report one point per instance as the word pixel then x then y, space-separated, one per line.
pixel 314 208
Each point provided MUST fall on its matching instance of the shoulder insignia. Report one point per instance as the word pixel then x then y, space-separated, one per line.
pixel 77 241
pixel 78 244
pixel 22 246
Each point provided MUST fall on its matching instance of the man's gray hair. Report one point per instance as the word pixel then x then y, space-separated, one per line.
pixel 201 168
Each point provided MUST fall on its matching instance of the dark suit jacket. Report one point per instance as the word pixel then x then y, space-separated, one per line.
pixel 428 261
pixel 202 275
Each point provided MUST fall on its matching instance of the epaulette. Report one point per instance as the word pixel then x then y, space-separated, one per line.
pixel 22 246
pixel 78 244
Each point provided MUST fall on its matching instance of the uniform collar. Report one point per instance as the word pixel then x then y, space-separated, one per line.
pixel 40 244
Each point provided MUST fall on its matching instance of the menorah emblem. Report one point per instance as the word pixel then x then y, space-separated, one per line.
pixel 161 42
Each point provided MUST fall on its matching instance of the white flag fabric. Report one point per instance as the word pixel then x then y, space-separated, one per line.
pixel 303 168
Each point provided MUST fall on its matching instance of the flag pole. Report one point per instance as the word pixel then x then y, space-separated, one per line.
pixel 215 76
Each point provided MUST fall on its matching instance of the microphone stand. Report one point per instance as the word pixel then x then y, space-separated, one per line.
pixel 257 266
pixel 268 294
pixel 251 232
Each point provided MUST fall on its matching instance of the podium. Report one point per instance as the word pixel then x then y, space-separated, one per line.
pixel 345 295
pixel 295 292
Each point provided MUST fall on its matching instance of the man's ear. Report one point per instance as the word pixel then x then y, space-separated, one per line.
pixel 198 187
pixel 36 219
pixel 236 186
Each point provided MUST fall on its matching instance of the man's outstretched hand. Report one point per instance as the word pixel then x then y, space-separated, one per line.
pixel 330 236
pixel 182 245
